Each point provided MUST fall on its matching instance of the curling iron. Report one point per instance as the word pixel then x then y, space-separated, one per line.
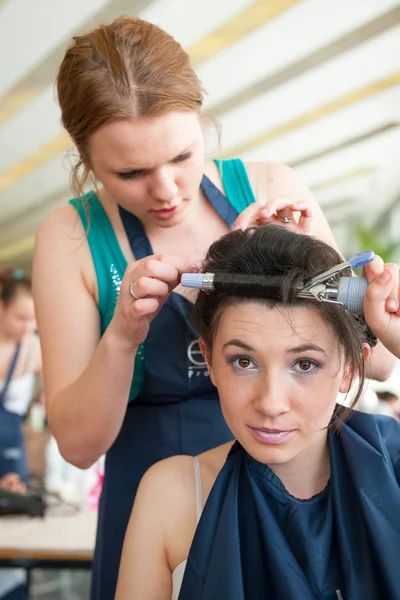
pixel 348 292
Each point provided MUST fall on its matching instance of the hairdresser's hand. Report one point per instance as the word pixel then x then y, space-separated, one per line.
pixel 144 289
pixel 381 304
pixel 296 216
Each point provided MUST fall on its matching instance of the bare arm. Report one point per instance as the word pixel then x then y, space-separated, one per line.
pixel 381 363
pixel 87 379
pixel 160 531
pixel 144 572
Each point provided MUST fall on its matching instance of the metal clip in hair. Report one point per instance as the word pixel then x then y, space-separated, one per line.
pixel 323 288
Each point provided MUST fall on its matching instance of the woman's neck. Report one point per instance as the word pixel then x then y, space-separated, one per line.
pixel 309 472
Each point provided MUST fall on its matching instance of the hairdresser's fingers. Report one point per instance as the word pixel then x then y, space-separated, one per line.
pixel 286 213
pixel 299 217
pixel 305 217
pixel 376 295
pixel 280 209
pixel 377 268
pixel 283 216
pixel 385 324
pixel 373 269
pixel 281 203
pixel 256 214
pixel 248 217
pixel 392 303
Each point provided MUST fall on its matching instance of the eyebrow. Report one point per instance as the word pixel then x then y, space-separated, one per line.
pixel 135 170
pixel 306 348
pixel 239 344
pixel 293 350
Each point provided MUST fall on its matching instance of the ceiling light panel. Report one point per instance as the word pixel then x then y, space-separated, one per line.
pixel 190 24
pixel 340 77
pixel 32 189
pixel 379 151
pixel 41 25
pixel 281 41
pixel 30 129
pixel 338 127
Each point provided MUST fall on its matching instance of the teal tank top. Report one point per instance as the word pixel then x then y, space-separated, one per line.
pixel 110 263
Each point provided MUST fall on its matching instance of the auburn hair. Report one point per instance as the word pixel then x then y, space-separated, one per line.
pixel 128 68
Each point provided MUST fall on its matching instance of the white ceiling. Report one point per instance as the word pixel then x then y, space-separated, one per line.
pixel 317 86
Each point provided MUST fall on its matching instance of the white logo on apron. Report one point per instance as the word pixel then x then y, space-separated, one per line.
pixel 197 364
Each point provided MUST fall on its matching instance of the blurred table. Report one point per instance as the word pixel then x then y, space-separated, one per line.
pixel 63 539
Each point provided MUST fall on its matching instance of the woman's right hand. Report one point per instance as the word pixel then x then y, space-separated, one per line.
pixel 144 289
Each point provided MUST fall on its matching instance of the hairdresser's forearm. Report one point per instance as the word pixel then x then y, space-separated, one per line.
pixel 86 417
pixel 381 364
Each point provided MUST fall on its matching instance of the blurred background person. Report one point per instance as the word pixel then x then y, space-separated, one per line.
pixel 388 404
pixel 20 365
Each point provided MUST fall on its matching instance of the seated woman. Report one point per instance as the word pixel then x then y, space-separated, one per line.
pixel 306 504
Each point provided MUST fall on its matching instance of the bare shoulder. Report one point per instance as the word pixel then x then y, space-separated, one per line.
pixel 169 486
pixel 174 476
pixel 259 173
pixel 61 229
pixel 62 251
pixel 272 167
pixel 267 179
pixel 274 173
pixel 280 172
pixel 167 490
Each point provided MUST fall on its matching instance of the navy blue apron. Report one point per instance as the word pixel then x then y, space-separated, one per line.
pixel 257 542
pixel 177 411
pixel 12 445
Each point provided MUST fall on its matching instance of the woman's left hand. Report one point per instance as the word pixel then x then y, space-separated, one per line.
pixel 296 216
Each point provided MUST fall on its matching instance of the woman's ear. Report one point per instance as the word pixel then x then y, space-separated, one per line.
pixel 206 355
pixel 346 384
pixel 366 352
pixel 347 375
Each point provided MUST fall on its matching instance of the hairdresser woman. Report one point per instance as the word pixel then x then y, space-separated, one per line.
pixel 122 367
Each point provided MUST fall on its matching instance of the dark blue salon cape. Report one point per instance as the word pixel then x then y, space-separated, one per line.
pixel 256 542
pixel 177 411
